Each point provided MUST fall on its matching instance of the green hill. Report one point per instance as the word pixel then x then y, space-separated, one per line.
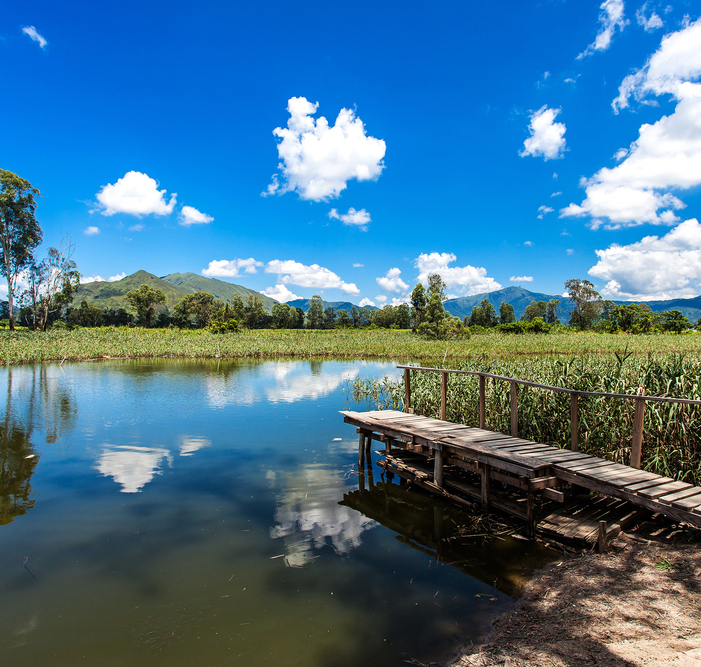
pixel 175 286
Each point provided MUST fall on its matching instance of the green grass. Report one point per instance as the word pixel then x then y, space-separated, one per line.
pixel 80 344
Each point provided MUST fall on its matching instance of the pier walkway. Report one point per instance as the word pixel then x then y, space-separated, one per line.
pixel 429 451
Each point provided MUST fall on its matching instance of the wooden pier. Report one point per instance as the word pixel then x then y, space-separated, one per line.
pixel 438 455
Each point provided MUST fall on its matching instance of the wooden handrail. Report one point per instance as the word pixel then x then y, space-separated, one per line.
pixel 639 398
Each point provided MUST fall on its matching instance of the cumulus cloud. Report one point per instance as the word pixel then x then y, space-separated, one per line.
pixel 91 231
pixel 391 282
pixel 521 279
pixel 666 267
pixel 648 23
pixel 366 302
pixel 544 210
pixel 667 154
pixel 528 243
pixel 381 298
pixel 556 194
pixel 137 228
pixel 135 194
pixel 85 280
pixel 32 33
pixel 547 137
pixel 470 279
pixel 359 219
pixel 231 268
pixel 610 17
pixel 318 160
pixel 191 216
pixel 280 293
pixel 315 276
pixel 119 276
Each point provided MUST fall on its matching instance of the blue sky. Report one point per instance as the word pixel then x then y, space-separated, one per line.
pixel 350 150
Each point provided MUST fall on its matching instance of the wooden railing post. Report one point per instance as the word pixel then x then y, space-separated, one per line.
pixel 482 402
pixel 407 390
pixel 636 448
pixel 444 393
pixel 514 410
pixel 438 467
pixel 574 422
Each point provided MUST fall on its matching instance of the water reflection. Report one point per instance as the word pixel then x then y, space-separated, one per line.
pixel 132 467
pixel 38 404
pixel 308 516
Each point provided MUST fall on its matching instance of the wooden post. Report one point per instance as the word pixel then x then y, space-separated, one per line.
pixel 482 402
pixel 514 410
pixel 388 444
pixel 407 391
pixel 485 474
pixel 574 422
pixel 444 393
pixel 602 537
pixel 361 453
pixel 636 448
pixel 438 467
pixel 530 511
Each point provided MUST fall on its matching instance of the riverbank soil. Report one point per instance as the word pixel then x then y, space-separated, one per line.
pixel 639 604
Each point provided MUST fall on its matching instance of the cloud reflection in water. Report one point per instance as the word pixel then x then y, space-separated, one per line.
pixel 132 467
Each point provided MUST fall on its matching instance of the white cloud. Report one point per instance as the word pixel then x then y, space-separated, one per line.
pixel 547 137
pixel 471 280
pixel 556 194
pixel 224 268
pixel 189 445
pixel 381 298
pixel 135 194
pixel 353 218
pixel 191 216
pixel 366 302
pixel 357 265
pixel 648 23
pixel 119 276
pixel 666 267
pixel 528 243
pixel 32 33
pixel 391 282
pixel 610 17
pixel 570 251
pixel 317 160
pixel 91 231
pixel 280 293
pixel 315 276
pixel 137 228
pixel 132 467
pixel 398 301
pixel 521 279
pixel 666 155
pixel 544 210
pixel 86 280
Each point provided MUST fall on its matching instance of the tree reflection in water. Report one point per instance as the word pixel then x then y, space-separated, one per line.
pixel 37 404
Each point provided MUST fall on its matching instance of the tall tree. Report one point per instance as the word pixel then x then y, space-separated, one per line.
pixel 551 313
pixel 315 314
pixel 534 309
pixel 142 301
pixel 586 300
pixel 255 311
pixel 20 232
pixel 436 285
pixel 418 305
pixel 506 313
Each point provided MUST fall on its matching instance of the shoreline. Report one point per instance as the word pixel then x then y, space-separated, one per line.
pixel 638 605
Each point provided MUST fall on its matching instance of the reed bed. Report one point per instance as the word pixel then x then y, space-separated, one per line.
pixel 672 435
pixel 107 342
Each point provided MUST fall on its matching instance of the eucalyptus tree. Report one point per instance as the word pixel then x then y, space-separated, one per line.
pixel 20 232
pixel 586 300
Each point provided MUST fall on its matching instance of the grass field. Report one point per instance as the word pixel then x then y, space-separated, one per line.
pixel 81 344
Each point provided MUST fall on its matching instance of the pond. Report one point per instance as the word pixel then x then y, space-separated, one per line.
pixel 169 512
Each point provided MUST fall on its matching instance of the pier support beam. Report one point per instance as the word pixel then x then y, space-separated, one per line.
pixel 485 473
pixel 438 467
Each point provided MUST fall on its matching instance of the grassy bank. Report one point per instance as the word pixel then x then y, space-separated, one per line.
pixel 81 344
pixel 672 435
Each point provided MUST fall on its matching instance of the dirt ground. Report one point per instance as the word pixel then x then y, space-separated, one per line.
pixel 638 604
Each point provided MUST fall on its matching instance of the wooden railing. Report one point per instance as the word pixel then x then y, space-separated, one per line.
pixel 639 398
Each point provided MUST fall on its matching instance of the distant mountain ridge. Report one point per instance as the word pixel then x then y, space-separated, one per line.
pixel 303 304
pixel 519 298
pixel 175 286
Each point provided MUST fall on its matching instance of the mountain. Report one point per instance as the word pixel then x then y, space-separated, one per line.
pixel 519 298
pixel 175 286
pixel 337 305
pixel 191 283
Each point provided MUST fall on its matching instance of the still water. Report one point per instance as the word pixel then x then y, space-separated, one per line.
pixel 204 513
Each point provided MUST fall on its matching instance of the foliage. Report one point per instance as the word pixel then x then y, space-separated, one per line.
pixel 197 309
pixel 484 315
pixel 20 232
pixel 587 303
pixel 315 313
pixel 142 301
pixel 506 313
pixel 419 301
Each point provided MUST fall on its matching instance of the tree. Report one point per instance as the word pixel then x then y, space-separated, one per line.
pixel 142 301
pixel 201 306
pixel 87 315
pixel 355 316
pixel 484 315
pixel 20 232
pixel 315 314
pixel 506 313
pixel 674 320
pixel 436 285
pixel 343 319
pixel 255 311
pixel 281 316
pixel 418 305
pixel 402 316
pixel 552 311
pixel 586 300
pixel 238 308
pixel 535 309
pixel 329 318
